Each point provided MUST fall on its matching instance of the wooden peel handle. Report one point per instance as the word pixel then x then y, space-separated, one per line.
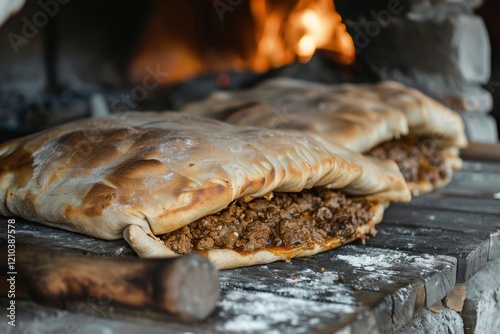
pixel 481 152
pixel 187 286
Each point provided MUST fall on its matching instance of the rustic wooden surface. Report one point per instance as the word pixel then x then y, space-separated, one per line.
pixel 483 226
pixel 470 251
pixel 421 251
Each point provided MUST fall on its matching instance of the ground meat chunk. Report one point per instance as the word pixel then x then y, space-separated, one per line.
pixel 293 234
pixel 179 241
pixel 418 159
pixel 256 236
pixel 286 220
pixel 346 222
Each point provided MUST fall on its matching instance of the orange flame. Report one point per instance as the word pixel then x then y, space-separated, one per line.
pixel 310 25
pixel 283 32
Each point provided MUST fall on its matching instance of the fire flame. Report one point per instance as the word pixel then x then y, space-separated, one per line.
pixel 310 25
pixel 282 32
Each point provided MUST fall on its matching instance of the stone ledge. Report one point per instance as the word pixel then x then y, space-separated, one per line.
pixel 481 313
pixel 428 9
pixel 429 4
pixel 457 47
pixel 446 321
pixel 480 128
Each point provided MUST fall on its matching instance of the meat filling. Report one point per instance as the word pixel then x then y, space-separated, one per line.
pixel 418 159
pixel 288 219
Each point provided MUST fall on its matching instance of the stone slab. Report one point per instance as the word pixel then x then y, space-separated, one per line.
pixel 448 321
pixel 480 128
pixel 481 312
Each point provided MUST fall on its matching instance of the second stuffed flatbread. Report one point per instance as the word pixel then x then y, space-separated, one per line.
pixel 385 120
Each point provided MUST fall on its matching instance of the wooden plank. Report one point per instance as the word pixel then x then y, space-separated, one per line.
pixel 297 280
pixel 237 311
pixel 408 304
pixel 451 219
pixel 263 312
pixel 404 276
pixel 379 304
pixel 481 151
pixel 292 282
pixel 482 178
pixel 477 225
pixel 34 318
pixel 58 239
pixel 405 290
pixel 480 166
pixel 470 192
pixel 437 272
pixel 471 252
pixel 457 202
pixel 373 313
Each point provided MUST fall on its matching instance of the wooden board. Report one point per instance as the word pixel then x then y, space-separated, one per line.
pixel 346 272
pixel 361 289
pixel 267 312
pixel 471 252
pixel 461 202
pixel 480 177
pixel 479 225
pixel 470 166
pixel 481 151
pixel 65 241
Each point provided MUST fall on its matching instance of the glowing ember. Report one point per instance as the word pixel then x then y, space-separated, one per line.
pixel 258 35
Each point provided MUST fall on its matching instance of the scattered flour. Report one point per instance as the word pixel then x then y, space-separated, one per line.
pixel 263 312
pixel 388 260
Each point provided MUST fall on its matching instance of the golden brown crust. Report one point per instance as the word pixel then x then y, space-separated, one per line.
pixel 426 117
pixel 162 171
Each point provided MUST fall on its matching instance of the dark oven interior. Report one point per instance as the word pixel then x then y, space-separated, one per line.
pixel 63 60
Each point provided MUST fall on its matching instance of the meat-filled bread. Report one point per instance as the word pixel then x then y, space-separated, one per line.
pixel 171 183
pixel 386 119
